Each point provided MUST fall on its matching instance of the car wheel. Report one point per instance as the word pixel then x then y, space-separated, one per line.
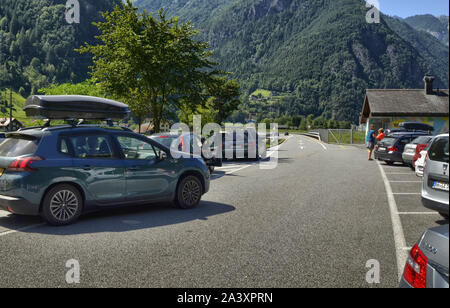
pixel 62 205
pixel 444 215
pixel 189 192
pixel 211 168
pixel 389 163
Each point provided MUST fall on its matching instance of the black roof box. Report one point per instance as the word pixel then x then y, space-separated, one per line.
pixel 74 107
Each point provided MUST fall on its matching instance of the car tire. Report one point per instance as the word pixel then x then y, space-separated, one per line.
pixel 444 215
pixel 211 169
pixel 389 163
pixel 62 205
pixel 189 192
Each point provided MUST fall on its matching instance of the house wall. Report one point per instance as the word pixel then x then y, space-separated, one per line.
pixel 440 124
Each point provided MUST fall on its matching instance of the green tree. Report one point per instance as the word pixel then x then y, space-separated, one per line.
pixel 154 63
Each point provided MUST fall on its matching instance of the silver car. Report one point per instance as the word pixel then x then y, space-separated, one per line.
pixel 411 148
pixel 435 187
pixel 427 264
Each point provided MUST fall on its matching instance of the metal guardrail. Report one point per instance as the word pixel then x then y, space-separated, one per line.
pixel 313 134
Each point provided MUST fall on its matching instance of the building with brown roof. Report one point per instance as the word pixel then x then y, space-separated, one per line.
pixel 388 108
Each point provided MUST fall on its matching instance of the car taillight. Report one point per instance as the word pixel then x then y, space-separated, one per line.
pixel 393 149
pixel 376 147
pixel 416 269
pixel 23 164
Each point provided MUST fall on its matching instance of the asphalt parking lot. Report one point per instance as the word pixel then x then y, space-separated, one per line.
pixel 410 218
pixel 313 221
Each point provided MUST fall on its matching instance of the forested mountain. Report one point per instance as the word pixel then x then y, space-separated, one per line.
pixel 436 26
pixel 322 54
pixel 37 44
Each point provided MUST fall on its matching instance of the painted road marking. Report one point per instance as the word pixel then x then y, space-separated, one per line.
pixel 406 182
pixel 418 213
pixel 399 236
pixel 407 193
pixel 21 229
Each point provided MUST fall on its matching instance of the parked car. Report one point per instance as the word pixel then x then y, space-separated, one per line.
pixel 420 162
pixel 419 149
pixel 411 149
pixel 390 149
pixel 185 143
pixel 62 171
pixel 427 264
pixel 435 187
pixel 246 145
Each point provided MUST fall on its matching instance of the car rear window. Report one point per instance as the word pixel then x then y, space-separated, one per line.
pixel 422 140
pixel 18 146
pixel 439 150
pixel 165 140
pixel 389 141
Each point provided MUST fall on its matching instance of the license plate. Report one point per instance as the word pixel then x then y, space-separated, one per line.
pixel 440 186
pixel 381 149
pixel 1 171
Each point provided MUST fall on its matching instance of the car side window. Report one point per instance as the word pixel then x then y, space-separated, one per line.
pixel 135 148
pixel 92 146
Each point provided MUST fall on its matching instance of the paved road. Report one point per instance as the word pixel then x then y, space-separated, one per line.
pixel 314 221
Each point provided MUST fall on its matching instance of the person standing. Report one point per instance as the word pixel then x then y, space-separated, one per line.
pixel 381 134
pixel 371 137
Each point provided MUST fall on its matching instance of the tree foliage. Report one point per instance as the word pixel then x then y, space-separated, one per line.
pixel 155 63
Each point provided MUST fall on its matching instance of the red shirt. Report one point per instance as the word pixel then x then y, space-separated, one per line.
pixel 381 136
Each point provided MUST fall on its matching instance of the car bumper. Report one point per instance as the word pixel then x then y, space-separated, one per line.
pixel 435 205
pixel 408 158
pixel 404 284
pixel 19 206
pixel 394 157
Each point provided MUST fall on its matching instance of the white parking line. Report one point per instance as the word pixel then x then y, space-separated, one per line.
pixel 21 229
pixel 399 236
pixel 398 173
pixel 407 194
pixel 406 182
pixel 418 213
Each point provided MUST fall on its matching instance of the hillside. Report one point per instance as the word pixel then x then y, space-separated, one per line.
pixel 436 26
pixel 37 44
pixel 322 52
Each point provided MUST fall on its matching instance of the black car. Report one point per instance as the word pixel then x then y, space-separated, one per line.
pixel 390 149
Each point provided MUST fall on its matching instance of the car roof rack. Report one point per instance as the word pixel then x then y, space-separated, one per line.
pixel 74 123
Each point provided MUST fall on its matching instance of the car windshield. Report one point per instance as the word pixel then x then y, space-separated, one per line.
pixel 18 146
pixel 439 150
pixel 422 140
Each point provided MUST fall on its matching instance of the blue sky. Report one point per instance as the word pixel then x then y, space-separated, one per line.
pixel 406 8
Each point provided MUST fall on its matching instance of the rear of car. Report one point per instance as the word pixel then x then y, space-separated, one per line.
pixel 414 147
pixel 390 149
pixel 435 187
pixel 245 144
pixel 420 162
pixel 428 261
pixel 17 166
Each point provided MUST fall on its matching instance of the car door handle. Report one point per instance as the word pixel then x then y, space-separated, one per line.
pixel 134 168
